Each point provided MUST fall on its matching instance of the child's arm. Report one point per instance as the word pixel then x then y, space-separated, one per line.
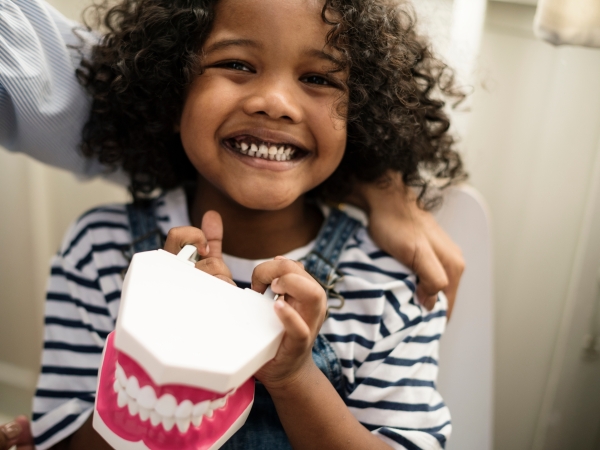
pixel 311 411
pixel 413 237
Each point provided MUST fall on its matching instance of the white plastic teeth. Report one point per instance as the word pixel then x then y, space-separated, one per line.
pixel 164 410
pixel 266 151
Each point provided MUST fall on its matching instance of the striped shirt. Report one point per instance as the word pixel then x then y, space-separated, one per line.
pixel 386 342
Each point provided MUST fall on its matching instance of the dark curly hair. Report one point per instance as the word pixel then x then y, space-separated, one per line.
pixel 139 73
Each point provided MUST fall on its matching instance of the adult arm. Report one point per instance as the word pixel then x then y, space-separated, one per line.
pixel 42 106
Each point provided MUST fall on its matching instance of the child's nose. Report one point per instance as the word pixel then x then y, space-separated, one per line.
pixel 275 99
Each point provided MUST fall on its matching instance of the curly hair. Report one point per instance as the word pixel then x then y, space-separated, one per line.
pixel 139 73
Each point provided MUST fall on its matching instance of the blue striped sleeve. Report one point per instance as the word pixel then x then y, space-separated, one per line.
pixel 78 318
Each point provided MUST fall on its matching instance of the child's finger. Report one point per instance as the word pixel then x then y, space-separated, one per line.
pixel 304 295
pixel 226 279
pixel 298 263
pixel 265 273
pixel 296 329
pixel 212 226
pixel 179 237
pixel 215 267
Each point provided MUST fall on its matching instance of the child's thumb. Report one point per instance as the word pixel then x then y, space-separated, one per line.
pixel 212 227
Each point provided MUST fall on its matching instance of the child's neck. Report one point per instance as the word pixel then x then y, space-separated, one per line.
pixel 254 234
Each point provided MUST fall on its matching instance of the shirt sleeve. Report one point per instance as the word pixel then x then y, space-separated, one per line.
pixel 42 105
pixel 78 318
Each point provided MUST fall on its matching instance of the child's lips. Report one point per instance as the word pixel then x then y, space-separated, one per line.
pixel 258 162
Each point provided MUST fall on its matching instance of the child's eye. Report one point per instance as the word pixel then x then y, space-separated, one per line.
pixel 319 80
pixel 235 65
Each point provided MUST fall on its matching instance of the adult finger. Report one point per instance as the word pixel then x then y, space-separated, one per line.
pixel 212 226
pixel 179 237
pixel 410 244
pixel 431 273
pixel 451 258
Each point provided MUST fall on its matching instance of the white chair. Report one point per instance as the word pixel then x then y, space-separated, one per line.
pixel 467 348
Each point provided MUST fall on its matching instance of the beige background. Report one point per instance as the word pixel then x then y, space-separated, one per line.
pixel 531 144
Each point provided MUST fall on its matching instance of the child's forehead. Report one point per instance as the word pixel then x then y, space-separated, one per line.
pixel 286 19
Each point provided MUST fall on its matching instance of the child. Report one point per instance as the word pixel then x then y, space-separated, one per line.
pixel 262 110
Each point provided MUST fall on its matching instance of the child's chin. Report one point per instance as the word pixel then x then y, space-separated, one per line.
pixel 266 202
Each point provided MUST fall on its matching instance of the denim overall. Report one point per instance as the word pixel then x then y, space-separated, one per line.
pixel 263 429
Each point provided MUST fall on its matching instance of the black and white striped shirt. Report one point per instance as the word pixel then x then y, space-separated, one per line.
pixel 387 343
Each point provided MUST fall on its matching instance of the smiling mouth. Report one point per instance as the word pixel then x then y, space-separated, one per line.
pixel 256 148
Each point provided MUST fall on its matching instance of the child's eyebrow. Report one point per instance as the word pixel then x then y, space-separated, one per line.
pixel 320 54
pixel 224 43
pixel 232 43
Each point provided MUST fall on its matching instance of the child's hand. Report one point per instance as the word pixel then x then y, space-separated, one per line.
pixel 208 241
pixel 302 307
pixel 16 433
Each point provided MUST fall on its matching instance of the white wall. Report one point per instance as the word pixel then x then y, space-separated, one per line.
pixel 533 138
pixel 38 203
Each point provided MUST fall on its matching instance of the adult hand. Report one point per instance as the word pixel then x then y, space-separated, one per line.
pixel 16 433
pixel 413 237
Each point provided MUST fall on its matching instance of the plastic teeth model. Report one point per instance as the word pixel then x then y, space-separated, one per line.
pixel 177 370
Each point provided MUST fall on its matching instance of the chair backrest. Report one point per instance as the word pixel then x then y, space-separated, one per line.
pixel 467 348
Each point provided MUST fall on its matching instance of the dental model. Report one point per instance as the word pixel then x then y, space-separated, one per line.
pixel 177 370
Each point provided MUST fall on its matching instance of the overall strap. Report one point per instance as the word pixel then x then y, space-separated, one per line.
pixel 322 261
pixel 145 233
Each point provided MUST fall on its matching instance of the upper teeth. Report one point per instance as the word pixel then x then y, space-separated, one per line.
pixel 266 151
pixel 163 410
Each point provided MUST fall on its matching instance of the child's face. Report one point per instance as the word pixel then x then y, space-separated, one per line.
pixel 266 88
